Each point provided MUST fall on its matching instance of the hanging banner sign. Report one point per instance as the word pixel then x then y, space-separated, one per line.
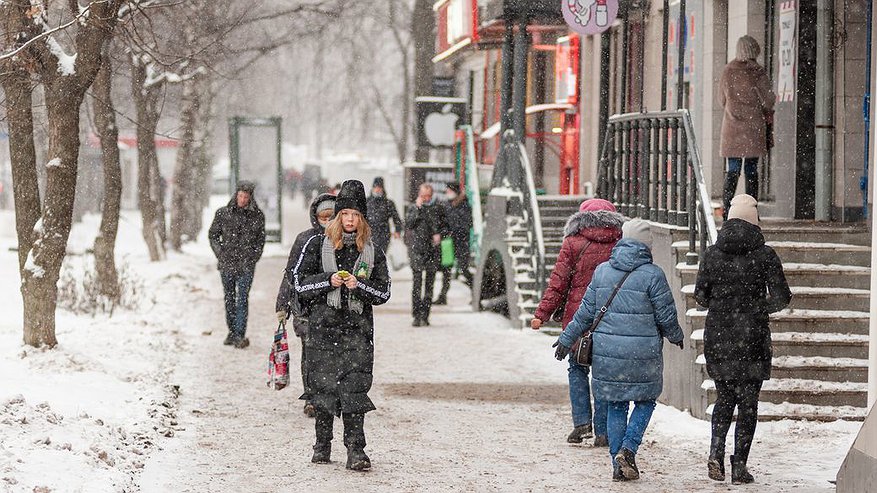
pixel 787 76
pixel 588 17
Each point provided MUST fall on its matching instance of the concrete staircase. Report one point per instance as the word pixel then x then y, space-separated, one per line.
pixel 554 211
pixel 820 343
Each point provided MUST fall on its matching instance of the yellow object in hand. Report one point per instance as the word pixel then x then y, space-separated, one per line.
pixel 343 274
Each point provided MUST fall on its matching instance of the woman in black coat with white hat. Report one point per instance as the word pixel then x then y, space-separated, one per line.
pixel 741 282
pixel 339 276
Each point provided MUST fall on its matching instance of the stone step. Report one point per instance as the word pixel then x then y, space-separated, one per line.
pixel 807 298
pixel 806 252
pixel 808 344
pixel 803 321
pixel 821 368
pixel 768 411
pixel 809 392
pixel 810 275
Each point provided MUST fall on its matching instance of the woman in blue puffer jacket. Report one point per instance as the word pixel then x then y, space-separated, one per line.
pixel 628 361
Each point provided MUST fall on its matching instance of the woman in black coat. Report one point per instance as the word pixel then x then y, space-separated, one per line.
pixel 339 276
pixel 741 282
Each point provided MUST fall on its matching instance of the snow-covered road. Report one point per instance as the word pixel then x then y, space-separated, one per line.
pixel 464 405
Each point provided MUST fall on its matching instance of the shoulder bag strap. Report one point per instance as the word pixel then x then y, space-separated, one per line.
pixel 572 270
pixel 605 307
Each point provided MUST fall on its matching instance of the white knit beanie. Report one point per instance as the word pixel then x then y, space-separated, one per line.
pixel 747 48
pixel 744 207
pixel 637 229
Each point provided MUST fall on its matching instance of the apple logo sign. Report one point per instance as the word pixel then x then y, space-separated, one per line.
pixel 440 127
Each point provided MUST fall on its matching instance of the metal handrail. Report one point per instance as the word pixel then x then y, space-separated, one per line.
pixel 532 204
pixel 650 167
pixel 473 189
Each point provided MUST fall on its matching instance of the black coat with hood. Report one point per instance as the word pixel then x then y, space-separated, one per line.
pixel 382 210
pixel 422 223
pixel 741 282
pixel 340 342
pixel 286 299
pixel 237 236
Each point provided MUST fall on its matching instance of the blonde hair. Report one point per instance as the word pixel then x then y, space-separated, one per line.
pixel 747 48
pixel 335 232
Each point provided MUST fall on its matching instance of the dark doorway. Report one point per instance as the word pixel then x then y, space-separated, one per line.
pixel 805 149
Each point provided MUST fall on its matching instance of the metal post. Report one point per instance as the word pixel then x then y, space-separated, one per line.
pixel 508 72
pixel 625 168
pixel 625 80
pixel 663 199
pixel 278 122
pixel 634 169
pixel 691 257
pixel 234 152
pixel 519 111
pixel 684 171
pixel 824 110
pixel 673 204
pixel 680 41
pixel 655 160
pixel 605 60
pixel 646 170
pixel 664 50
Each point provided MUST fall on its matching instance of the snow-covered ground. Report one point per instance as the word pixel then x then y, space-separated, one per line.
pixel 150 400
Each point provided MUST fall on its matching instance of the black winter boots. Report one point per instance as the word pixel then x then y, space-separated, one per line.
pixel 601 441
pixel 716 467
pixel 580 433
pixel 626 460
pixel 323 448
pixel 739 472
pixel 354 440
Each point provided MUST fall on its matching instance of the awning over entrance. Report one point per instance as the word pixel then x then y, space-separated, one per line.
pixel 493 130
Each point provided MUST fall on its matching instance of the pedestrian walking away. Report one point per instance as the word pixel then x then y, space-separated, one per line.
pixel 458 216
pixel 381 211
pixel 589 237
pixel 628 364
pixel 237 237
pixel 322 211
pixel 338 278
pixel 748 100
pixel 741 282
pixel 425 223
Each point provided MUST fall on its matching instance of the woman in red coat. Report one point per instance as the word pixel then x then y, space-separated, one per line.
pixel 589 237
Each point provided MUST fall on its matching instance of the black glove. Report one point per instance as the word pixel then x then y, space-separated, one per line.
pixel 680 344
pixel 561 352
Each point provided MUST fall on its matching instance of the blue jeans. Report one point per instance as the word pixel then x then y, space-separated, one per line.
pixel 735 164
pixel 580 400
pixel 237 296
pixel 624 433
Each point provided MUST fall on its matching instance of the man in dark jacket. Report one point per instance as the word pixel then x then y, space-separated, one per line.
pixel 237 237
pixel 381 210
pixel 741 281
pixel 322 212
pixel 426 224
pixel 458 216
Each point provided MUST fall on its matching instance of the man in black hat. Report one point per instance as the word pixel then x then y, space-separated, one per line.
pixel 458 215
pixel 237 237
pixel 380 211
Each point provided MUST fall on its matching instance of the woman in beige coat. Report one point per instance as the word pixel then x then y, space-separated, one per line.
pixel 747 98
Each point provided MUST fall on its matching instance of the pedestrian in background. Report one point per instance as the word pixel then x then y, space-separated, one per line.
pixel 237 237
pixel 589 237
pixel 322 212
pixel 458 216
pixel 628 361
pixel 339 276
pixel 426 224
pixel 746 95
pixel 381 211
pixel 741 281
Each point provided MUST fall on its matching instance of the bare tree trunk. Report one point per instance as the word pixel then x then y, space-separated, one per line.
pixel 423 33
pixel 184 173
pixel 105 243
pixel 203 157
pixel 147 160
pixel 17 87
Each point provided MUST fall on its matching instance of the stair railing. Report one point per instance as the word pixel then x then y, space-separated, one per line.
pixel 473 192
pixel 650 167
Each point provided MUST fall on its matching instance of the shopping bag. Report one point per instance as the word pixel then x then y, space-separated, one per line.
pixel 278 360
pixel 447 252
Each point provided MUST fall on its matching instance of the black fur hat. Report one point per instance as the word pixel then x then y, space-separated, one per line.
pixel 351 196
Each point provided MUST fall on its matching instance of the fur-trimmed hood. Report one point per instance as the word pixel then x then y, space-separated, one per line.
pixel 581 221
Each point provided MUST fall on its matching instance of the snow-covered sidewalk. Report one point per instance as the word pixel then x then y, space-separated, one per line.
pixel 152 401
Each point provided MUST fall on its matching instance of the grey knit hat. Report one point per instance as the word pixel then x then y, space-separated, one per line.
pixel 637 229
pixel 747 48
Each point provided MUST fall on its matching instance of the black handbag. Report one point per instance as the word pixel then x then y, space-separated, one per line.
pixel 558 314
pixel 584 347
